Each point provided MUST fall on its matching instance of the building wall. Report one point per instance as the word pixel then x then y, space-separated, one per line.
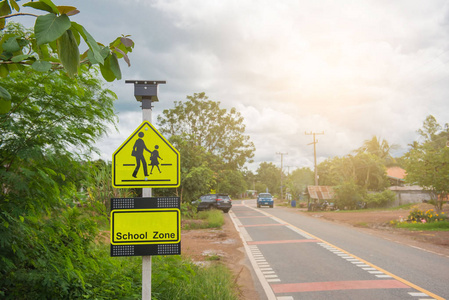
pixel 406 196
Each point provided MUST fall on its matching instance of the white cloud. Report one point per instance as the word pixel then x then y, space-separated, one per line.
pixel 352 69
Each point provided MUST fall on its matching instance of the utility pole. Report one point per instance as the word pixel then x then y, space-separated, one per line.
pixel 315 141
pixel 282 173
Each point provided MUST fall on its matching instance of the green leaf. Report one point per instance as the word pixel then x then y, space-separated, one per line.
pixel 48 88
pixel 69 53
pixel 93 59
pixel 5 105
pixel 5 9
pixel 11 45
pixel 20 58
pixel 106 70
pixel 39 6
pixel 3 71
pixel 52 5
pixel 90 41
pixel 6 55
pixel 50 27
pixel 41 66
pixel 115 67
pixel 45 5
pixel 14 5
pixel 4 93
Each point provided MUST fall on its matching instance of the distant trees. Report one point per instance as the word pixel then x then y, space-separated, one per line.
pixel 268 177
pixel 363 169
pixel 355 174
pixel 298 180
pixel 427 162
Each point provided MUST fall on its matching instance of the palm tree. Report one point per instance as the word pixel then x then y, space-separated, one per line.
pixel 379 148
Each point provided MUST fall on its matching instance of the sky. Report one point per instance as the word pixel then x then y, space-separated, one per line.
pixel 349 69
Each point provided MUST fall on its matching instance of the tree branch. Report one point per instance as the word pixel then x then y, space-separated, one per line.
pixel 18 14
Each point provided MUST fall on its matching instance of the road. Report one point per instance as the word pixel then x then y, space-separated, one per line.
pixel 296 256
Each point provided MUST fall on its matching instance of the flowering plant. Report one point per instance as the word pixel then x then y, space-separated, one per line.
pixel 430 215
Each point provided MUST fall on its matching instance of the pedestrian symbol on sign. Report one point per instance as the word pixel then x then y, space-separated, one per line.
pixel 131 160
pixel 138 148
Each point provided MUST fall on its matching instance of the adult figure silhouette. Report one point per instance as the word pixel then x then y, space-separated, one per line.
pixel 154 159
pixel 138 148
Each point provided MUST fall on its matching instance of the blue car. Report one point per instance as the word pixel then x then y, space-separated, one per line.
pixel 265 199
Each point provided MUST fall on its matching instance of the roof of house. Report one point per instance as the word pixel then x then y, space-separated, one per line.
pixel 320 192
pixel 396 173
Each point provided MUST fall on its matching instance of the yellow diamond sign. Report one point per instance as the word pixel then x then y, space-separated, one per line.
pixel 146 159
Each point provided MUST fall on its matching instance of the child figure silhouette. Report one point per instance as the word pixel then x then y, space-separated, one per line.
pixel 154 158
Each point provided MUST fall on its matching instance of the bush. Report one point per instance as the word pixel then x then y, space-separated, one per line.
pixel 380 199
pixel 188 210
pixel 348 194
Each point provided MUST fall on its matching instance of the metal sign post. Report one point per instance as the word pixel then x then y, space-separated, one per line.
pixel 146 92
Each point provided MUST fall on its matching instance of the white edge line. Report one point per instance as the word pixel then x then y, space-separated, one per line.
pixel 265 285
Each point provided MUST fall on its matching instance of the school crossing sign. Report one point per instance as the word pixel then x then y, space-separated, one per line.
pixel 146 159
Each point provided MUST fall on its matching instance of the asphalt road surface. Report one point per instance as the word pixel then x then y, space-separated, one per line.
pixel 301 257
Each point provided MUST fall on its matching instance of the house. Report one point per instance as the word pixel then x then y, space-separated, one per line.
pixel 405 193
pixel 396 176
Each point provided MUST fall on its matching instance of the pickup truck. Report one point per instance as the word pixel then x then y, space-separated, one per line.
pixel 265 199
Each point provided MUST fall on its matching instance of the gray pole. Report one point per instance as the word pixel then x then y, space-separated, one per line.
pixel 146 192
pixel 145 91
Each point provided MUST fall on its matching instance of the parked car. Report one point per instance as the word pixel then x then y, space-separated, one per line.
pixel 265 199
pixel 217 201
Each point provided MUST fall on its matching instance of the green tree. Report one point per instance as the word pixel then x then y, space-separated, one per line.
pixel 379 148
pixel 364 169
pixel 427 162
pixel 202 122
pixel 298 181
pixel 348 193
pixel 53 44
pixel 232 182
pixel 370 171
pixel 212 143
pixel 44 142
pixel 334 171
pixel 269 175
pixel 197 177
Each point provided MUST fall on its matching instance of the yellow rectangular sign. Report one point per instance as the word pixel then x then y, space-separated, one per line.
pixel 145 226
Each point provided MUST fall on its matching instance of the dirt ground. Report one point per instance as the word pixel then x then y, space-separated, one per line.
pixel 377 223
pixel 224 245
pixel 206 246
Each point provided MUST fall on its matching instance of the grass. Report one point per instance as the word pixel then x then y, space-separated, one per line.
pixel 434 226
pixel 214 282
pixel 362 224
pixel 177 278
pixel 208 219
pixel 213 257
